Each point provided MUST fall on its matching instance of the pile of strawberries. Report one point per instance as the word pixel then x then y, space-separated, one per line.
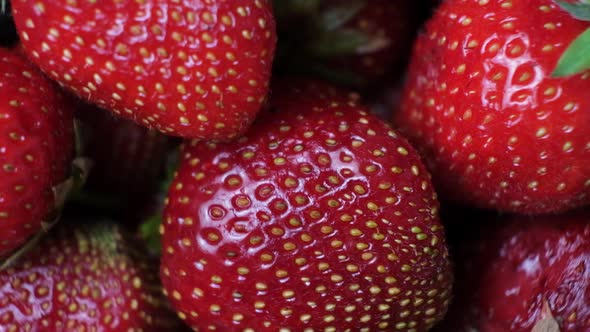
pixel 295 165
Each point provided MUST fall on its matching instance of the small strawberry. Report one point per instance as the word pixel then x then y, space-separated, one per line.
pixel 497 129
pixel 350 41
pixel 321 218
pixel 86 278
pixel 524 275
pixel 197 68
pixel 128 160
pixel 36 148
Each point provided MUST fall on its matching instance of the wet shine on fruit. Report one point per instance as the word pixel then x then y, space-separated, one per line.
pixel 197 68
pixel 320 217
pixel 36 148
pixel 84 278
pixel 496 129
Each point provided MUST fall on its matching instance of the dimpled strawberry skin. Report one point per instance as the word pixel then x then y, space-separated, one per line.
pixel 192 68
pixel 495 129
pixel 79 280
pixel 320 217
pixel 36 147
pixel 522 270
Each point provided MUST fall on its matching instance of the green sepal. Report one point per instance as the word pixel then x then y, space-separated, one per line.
pixel 576 58
pixel 345 42
pixel 341 42
pixel 150 228
pixel 579 10
pixel 150 233
pixel 337 16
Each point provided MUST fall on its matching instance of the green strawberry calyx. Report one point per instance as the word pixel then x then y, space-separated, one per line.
pixel 150 228
pixel 327 34
pixel 576 58
pixel 319 32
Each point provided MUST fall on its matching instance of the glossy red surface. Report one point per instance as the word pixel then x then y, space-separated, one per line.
pixel 320 217
pixel 522 270
pixel 190 68
pixel 496 130
pixel 83 279
pixel 36 147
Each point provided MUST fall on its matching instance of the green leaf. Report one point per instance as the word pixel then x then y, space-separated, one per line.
pixel 150 228
pixel 576 58
pixel 580 10
pixel 337 16
pixel 150 232
pixel 341 42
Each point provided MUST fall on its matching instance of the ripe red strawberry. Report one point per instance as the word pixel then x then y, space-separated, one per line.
pixel 36 148
pixel 348 41
pixel 496 129
pixel 197 68
pixel 129 161
pixel 321 217
pixel 87 278
pixel 391 26
pixel 523 274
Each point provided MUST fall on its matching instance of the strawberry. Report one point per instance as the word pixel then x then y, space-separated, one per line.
pixel 128 160
pixel 524 274
pixel 321 217
pixel 36 149
pixel 390 26
pixel 496 128
pixel 196 68
pixel 83 278
pixel 355 42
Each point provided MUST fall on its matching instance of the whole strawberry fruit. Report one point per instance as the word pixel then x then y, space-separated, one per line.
pixel 86 278
pixel 496 129
pixel 321 218
pixel 36 148
pixel 128 160
pixel 524 275
pixel 193 68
